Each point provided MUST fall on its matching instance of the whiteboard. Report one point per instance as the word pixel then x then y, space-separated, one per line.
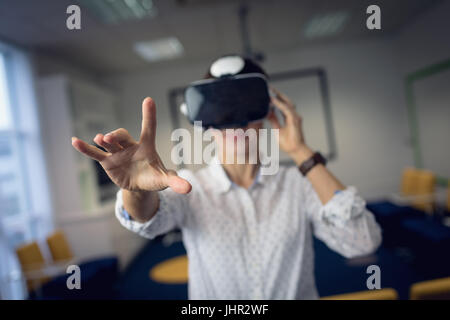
pixel 432 100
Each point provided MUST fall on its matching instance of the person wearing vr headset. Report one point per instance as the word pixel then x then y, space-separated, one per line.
pixel 247 235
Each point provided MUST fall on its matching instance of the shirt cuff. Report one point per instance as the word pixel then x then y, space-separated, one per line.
pixel 345 205
pixel 126 220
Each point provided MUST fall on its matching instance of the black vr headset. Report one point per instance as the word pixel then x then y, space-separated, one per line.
pixel 231 100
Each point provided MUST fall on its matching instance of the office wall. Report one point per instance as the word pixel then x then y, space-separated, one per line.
pixel 48 64
pixel 90 234
pixel 423 43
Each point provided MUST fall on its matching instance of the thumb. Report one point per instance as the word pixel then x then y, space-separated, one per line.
pixel 178 184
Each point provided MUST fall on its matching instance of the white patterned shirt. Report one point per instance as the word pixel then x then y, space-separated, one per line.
pixel 257 243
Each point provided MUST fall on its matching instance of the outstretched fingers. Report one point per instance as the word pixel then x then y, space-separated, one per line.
pixel 120 137
pixel 287 112
pixel 110 147
pixel 91 151
pixel 274 120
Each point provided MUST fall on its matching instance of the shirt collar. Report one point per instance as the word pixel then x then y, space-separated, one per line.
pixel 224 183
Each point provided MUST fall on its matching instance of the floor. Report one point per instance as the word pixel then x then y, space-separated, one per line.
pixel 399 269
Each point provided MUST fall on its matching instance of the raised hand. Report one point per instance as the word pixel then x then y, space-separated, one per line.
pixel 134 165
pixel 291 134
pixel 291 138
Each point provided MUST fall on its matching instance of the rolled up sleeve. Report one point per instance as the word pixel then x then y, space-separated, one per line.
pixel 343 223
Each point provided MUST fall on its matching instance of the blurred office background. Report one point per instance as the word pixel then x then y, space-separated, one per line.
pixel 376 101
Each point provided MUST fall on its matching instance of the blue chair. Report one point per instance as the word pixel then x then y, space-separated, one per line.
pixel 390 217
pixel 98 281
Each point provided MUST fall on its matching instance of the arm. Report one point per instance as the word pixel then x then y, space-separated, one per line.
pixel 325 184
pixel 141 205
pixel 337 213
pixel 293 143
pixel 171 213
pixel 343 223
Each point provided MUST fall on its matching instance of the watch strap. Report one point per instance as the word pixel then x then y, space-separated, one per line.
pixel 310 163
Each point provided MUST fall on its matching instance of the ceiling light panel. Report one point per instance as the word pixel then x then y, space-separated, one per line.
pixel 114 11
pixel 160 49
pixel 327 24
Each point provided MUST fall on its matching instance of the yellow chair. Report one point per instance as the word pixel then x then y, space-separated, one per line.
pixel 59 247
pixel 32 260
pixel 418 185
pixel 409 181
pixel 438 289
pixel 425 188
pixel 381 294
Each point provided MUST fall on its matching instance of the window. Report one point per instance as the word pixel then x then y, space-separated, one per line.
pixel 24 206
pixel 13 202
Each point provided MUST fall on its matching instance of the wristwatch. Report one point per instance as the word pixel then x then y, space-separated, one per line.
pixel 308 164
